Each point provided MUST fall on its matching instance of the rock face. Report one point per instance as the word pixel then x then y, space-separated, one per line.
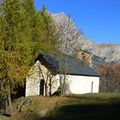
pixel 102 52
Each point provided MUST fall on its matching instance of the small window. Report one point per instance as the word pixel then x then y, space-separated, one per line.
pixel 92 87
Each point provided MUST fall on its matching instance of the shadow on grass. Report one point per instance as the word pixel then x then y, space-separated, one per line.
pixel 87 112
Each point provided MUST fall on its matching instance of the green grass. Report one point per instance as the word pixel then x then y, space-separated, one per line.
pixel 89 107
pixel 103 106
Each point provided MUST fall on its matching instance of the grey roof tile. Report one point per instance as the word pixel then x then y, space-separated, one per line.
pixel 69 65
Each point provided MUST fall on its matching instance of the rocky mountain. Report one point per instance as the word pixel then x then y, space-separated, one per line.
pixel 71 43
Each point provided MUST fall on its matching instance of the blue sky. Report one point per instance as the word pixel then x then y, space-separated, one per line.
pixel 99 20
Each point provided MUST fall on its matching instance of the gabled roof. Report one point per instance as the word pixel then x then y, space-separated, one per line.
pixel 69 65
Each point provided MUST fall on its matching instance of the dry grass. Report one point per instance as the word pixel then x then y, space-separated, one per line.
pixel 57 108
pixel 40 107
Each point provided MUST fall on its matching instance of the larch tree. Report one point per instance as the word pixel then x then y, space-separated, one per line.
pixel 24 33
pixel 48 32
pixel 49 39
pixel 15 46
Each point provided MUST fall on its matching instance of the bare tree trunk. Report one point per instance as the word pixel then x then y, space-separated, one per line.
pixel 50 86
pixel 10 103
pixel 6 104
pixel 45 90
pixel 46 87
pixel 64 85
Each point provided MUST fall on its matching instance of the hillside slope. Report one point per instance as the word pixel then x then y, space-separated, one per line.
pixel 101 106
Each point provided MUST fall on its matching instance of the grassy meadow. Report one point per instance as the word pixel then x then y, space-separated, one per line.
pixel 102 106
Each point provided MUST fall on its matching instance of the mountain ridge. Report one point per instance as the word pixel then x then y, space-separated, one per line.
pixel 109 52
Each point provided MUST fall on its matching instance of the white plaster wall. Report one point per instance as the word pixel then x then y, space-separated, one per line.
pixel 77 84
pixel 33 81
pixel 82 84
pixel 55 83
pixel 34 77
pixel 32 87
